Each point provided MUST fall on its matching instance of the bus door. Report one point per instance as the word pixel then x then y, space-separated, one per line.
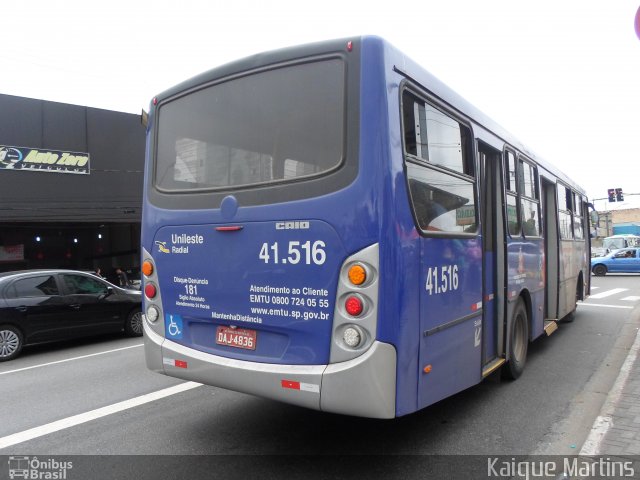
pixel 493 254
pixel 551 248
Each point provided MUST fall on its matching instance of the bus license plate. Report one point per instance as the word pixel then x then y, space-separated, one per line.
pixel 236 337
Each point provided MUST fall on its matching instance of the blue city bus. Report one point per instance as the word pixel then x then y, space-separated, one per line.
pixel 331 226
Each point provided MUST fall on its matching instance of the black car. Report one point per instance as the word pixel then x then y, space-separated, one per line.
pixel 47 305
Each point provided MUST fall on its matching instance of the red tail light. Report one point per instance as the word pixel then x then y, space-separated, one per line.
pixel 354 306
pixel 150 290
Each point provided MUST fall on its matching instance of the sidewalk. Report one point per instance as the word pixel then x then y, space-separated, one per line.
pixel 616 431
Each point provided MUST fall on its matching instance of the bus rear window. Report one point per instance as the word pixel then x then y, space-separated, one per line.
pixel 273 126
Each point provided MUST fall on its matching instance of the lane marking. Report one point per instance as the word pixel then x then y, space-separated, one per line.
pixel 604 306
pixel 68 422
pixel 632 298
pixel 592 445
pixel 608 293
pixel 70 359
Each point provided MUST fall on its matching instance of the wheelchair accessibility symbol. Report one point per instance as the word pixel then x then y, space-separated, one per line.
pixel 173 325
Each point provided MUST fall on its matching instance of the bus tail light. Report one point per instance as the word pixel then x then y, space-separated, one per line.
pixel 153 314
pixel 147 268
pixel 352 336
pixel 357 274
pixel 152 298
pixel 150 290
pixel 355 317
pixel 354 305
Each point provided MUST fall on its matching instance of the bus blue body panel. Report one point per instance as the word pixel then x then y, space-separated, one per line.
pixel 277 278
pixel 526 273
pixel 381 152
pixel 451 317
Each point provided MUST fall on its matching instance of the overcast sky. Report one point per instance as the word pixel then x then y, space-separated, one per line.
pixel 563 76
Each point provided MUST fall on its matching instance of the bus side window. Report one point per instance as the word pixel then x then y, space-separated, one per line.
pixel 441 202
pixel 440 168
pixel 513 214
pixel 435 137
pixel 529 199
pixel 564 212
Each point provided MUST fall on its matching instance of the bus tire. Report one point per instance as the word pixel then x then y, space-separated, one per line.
pixel 133 325
pixel 11 342
pixel 518 342
pixel 600 270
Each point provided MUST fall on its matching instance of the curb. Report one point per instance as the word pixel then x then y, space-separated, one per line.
pixel 604 421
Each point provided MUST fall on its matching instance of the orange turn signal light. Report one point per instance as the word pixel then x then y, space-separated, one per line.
pixel 357 274
pixel 147 268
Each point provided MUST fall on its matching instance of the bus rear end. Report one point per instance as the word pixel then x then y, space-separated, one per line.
pixel 260 234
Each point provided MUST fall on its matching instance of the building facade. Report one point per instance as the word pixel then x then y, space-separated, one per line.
pixel 616 222
pixel 70 186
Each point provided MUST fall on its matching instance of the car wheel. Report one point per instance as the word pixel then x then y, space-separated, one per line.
pixel 133 325
pixel 518 342
pixel 11 342
pixel 600 270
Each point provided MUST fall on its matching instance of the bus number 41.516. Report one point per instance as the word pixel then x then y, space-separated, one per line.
pixel 294 253
pixel 442 280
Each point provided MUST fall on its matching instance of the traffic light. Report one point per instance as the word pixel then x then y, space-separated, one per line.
pixel 619 196
pixel 612 195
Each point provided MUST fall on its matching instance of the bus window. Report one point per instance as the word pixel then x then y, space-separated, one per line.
pixel 441 202
pixel 435 137
pixel 528 180
pixel 531 225
pixel 511 173
pixel 529 201
pixel 513 219
pixel 564 212
pixel 276 125
pixel 565 201
pixel 578 229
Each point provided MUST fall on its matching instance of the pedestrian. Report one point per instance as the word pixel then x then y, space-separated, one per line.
pixel 98 273
pixel 122 277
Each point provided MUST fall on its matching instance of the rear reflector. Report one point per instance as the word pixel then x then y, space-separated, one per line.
pixel 174 363
pixel 290 384
pixel 305 387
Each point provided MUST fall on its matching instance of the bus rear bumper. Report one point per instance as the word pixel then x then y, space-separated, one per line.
pixel 364 386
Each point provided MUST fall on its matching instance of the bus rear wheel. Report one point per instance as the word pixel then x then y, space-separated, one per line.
pixel 518 342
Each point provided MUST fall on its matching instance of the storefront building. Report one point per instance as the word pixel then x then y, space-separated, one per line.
pixel 70 186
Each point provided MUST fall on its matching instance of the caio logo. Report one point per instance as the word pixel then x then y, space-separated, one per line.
pixel 293 225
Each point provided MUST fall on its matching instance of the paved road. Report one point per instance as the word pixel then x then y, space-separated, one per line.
pixel 550 409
